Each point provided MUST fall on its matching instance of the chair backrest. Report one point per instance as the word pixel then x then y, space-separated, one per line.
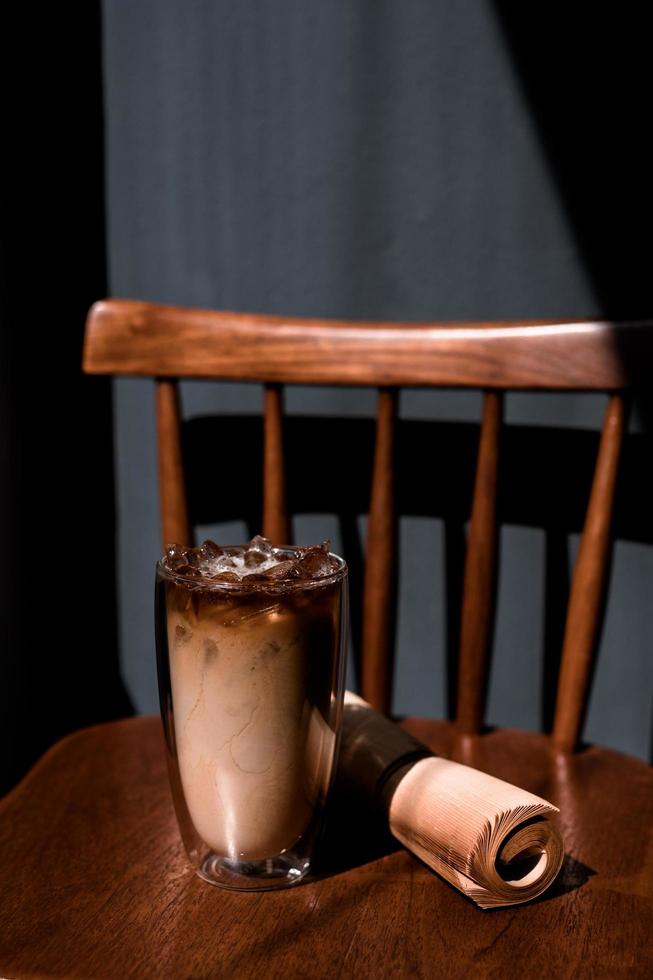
pixel 167 343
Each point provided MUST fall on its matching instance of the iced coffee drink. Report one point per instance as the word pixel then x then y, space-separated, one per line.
pixel 250 643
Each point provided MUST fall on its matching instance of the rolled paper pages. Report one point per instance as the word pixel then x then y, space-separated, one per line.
pixel 492 841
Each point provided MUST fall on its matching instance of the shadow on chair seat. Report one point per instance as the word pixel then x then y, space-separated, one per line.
pixel 92 865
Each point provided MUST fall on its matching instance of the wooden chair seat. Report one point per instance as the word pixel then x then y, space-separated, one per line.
pixel 94 880
pixel 93 874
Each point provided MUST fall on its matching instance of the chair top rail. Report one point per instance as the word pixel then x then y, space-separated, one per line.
pixel 137 338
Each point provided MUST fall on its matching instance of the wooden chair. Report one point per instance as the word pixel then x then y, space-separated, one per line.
pixel 95 882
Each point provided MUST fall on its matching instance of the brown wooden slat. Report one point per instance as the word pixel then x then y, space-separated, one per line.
pixel 480 574
pixel 379 592
pixel 588 585
pixel 175 526
pixel 129 337
pixel 276 525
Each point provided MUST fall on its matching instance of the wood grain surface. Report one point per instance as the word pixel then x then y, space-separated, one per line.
pixel 276 524
pixel 94 882
pixel 588 585
pixel 92 873
pixel 380 585
pixel 131 337
pixel 479 590
pixel 175 526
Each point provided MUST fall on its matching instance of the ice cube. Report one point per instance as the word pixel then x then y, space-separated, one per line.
pixel 253 559
pixel 176 555
pixel 258 552
pixel 209 549
pixel 256 562
pixel 283 570
pixel 261 545
pixel 314 561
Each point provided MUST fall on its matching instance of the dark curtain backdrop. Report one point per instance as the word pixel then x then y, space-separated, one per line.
pixel 58 642
pixel 384 159
pixel 362 159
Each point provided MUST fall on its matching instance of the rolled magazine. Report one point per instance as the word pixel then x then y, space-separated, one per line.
pixel 492 841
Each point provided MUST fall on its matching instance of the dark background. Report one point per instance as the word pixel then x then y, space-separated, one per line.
pixel 359 159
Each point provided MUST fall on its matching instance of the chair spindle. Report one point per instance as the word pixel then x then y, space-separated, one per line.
pixel 480 573
pixel 276 525
pixel 175 526
pixel 588 584
pixel 379 592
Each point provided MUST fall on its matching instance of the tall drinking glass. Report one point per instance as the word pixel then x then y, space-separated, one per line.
pixel 250 652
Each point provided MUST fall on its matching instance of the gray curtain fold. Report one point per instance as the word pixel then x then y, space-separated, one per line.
pixel 396 160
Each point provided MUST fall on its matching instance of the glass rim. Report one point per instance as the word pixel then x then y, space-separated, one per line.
pixel 261 585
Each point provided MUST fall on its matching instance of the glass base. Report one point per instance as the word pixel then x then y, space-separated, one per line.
pixel 241 875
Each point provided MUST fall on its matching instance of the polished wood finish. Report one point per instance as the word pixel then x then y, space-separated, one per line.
pixel 129 337
pixel 276 525
pixel 480 573
pixel 379 592
pixel 588 584
pixel 175 527
pixel 93 877
pixel 95 883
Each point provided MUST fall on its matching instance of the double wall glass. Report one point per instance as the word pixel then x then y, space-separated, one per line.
pixel 251 683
